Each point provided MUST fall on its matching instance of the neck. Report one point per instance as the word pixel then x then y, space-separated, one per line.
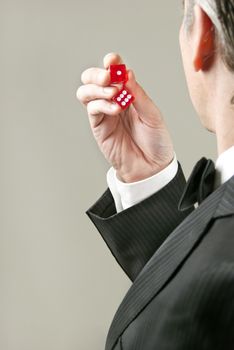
pixel 224 128
pixel 223 111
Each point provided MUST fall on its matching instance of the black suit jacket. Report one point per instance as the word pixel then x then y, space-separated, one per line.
pixel 181 265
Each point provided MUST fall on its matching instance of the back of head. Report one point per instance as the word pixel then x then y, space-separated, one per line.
pixel 225 13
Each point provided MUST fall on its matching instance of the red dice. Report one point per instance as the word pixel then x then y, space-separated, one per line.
pixel 118 73
pixel 124 98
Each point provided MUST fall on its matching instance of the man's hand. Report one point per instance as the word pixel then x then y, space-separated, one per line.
pixel 136 142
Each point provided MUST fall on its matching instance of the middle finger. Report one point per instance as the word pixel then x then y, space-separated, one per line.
pixel 96 76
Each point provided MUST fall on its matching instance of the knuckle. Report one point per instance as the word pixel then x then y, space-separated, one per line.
pixel 90 108
pixel 79 93
pixel 86 75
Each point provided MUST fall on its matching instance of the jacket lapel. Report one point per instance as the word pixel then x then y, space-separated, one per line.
pixel 168 258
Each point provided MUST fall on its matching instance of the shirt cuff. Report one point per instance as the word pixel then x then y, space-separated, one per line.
pixel 128 194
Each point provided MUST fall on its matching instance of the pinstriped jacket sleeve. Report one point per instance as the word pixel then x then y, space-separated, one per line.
pixel 134 234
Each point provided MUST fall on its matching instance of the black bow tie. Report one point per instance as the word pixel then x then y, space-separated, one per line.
pixel 199 185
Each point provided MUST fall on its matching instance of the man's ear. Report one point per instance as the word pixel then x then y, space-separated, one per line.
pixel 204 40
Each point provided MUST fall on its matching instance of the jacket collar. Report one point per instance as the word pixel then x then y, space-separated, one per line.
pixel 225 206
pixel 169 256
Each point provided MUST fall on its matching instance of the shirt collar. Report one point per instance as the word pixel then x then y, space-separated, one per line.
pixel 224 166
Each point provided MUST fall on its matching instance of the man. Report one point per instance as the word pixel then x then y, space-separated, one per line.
pixel 180 259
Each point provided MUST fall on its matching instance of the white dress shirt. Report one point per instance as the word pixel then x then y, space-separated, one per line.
pixel 128 194
pixel 224 166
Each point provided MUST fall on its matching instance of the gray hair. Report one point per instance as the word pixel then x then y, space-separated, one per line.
pixel 209 6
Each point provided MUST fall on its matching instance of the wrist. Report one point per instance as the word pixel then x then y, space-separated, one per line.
pixel 138 175
pixel 129 194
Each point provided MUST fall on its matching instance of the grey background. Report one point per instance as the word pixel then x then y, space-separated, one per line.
pixel 59 284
